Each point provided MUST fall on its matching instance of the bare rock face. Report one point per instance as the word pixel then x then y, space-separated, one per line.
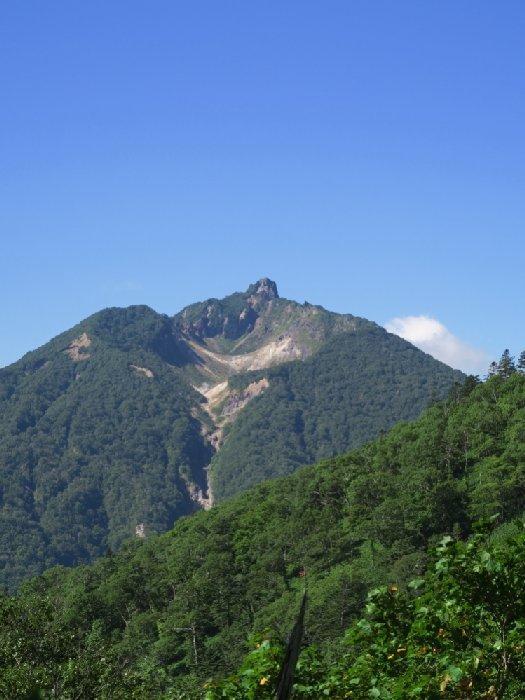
pixel 76 349
pixel 144 371
pixel 262 291
pixel 237 400
pixel 231 317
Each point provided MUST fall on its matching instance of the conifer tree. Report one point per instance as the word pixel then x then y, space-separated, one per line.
pixel 493 369
pixel 521 362
pixel 506 365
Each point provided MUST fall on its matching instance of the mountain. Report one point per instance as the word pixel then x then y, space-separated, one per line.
pixel 132 419
pixel 164 614
pixel 287 384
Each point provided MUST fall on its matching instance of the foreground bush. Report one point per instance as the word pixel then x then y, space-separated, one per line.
pixel 459 632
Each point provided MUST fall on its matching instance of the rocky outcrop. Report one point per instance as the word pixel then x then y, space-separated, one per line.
pixel 231 317
pixel 222 405
pixel 283 349
pixel 262 291
pixel 237 400
pixel 75 349
pixel 140 531
pixel 204 499
pixel 144 371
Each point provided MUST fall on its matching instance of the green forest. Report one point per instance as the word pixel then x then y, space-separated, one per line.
pixel 91 448
pixel 103 431
pixel 356 386
pixel 410 549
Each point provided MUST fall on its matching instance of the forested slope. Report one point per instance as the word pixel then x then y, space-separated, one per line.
pixel 357 385
pixel 110 428
pixel 97 436
pixel 166 613
pixel 458 632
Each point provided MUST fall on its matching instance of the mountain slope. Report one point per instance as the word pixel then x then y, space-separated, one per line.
pixel 168 612
pixel 97 437
pixel 287 384
pixel 355 386
pixel 112 428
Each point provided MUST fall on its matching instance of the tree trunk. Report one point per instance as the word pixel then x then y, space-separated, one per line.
pixel 285 683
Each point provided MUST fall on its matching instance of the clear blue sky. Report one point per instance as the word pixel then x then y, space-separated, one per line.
pixel 367 155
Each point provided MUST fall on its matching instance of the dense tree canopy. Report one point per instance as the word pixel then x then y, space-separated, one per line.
pixel 102 430
pixel 458 632
pixel 164 615
pixel 356 386
pixel 91 446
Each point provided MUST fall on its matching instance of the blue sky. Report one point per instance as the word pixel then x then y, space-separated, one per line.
pixel 368 156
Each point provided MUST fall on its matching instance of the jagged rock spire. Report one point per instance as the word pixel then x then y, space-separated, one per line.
pixel 265 289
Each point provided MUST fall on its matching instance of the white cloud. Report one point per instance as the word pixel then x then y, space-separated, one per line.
pixel 433 337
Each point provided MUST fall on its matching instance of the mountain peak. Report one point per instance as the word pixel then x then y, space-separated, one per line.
pixel 203 385
pixel 264 288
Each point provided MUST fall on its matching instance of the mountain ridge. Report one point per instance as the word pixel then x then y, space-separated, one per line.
pixel 132 419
